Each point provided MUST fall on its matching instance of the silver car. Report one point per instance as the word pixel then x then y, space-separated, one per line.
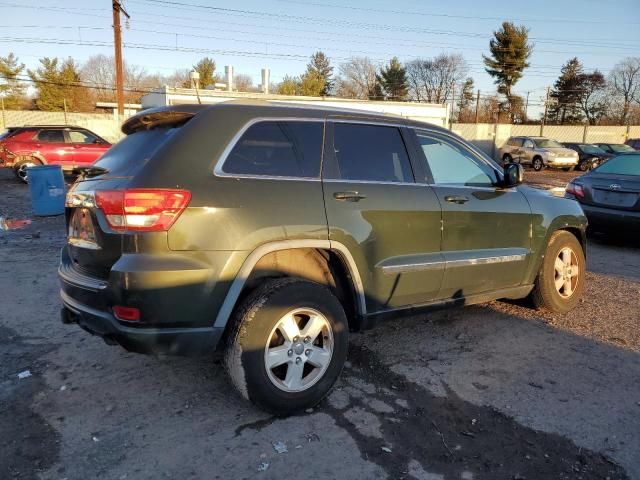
pixel 539 152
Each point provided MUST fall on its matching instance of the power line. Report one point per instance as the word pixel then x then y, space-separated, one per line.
pixel 562 20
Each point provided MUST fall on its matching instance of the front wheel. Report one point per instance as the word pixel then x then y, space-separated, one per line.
pixel 287 346
pixel 537 164
pixel 561 278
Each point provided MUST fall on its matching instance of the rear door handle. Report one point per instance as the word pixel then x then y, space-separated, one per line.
pixel 456 199
pixel 349 196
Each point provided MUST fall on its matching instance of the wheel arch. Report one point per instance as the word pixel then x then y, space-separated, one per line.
pixel 320 261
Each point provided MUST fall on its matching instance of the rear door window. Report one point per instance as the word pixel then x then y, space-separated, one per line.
pixel 278 149
pixel 50 136
pixel 373 153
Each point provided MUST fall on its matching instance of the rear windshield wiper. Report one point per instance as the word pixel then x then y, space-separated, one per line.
pixel 89 171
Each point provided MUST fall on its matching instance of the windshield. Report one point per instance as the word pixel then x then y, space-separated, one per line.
pixel 133 151
pixel 621 148
pixel 547 143
pixel 586 148
pixel 621 165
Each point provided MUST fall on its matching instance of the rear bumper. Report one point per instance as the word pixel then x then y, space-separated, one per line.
pixel 611 219
pixel 174 341
pixel 561 163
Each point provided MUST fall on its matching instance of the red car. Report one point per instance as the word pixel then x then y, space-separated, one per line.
pixel 32 145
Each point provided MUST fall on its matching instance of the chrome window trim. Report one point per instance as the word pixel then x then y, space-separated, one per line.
pixel 373 121
pixel 218 169
pixel 372 182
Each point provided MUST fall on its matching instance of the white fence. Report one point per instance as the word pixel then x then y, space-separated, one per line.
pixel 490 137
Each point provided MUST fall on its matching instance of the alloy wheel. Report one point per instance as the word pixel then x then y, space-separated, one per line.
pixel 22 171
pixel 567 272
pixel 299 350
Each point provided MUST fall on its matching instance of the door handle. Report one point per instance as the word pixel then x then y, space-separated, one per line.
pixel 456 199
pixel 349 196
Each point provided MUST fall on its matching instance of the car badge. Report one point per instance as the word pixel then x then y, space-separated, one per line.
pixel 614 186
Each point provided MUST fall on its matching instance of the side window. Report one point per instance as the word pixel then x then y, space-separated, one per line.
pixel 79 136
pixel 370 152
pixel 51 136
pixel 452 164
pixel 279 149
pixel 515 142
pixel 528 143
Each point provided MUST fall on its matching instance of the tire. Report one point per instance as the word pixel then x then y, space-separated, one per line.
pixel 583 166
pixel 547 294
pixel 258 330
pixel 506 158
pixel 20 167
pixel 537 164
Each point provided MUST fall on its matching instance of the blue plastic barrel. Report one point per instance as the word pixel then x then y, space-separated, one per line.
pixel 46 183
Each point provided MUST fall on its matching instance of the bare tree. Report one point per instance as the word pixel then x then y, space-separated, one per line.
pixel 99 73
pixel 357 78
pixel 624 82
pixel 432 79
pixel 243 82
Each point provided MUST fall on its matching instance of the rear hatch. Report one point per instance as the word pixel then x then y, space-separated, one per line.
pixel 96 222
pixel 621 192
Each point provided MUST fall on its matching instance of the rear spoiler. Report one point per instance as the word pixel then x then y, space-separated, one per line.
pixel 162 117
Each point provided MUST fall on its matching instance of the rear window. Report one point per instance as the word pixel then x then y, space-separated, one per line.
pixel 622 165
pixel 134 151
pixel 278 149
pixel 515 142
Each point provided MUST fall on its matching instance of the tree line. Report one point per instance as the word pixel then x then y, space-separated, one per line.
pixel 577 96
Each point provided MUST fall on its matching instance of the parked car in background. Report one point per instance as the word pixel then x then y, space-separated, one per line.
pixel 539 152
pixel 633 143
pixel 271 231
pixel 33 145
pixel 615 148
pixel 610 194
pixel 589 156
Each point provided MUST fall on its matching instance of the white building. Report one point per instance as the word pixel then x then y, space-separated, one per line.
pixel 426 112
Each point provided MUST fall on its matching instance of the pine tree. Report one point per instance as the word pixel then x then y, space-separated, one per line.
pixel 566 93
pixel 320 64
pixel 288 86
pixel 510 51
pixel 206 68
pixel 393 81
pixel 58 83
pixel 11 88
pixel 312 83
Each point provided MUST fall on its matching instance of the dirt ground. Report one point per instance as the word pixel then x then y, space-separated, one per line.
pixel 496 391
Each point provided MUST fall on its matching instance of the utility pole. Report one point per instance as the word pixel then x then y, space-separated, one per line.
pixel 477 105
pixel 526 107
pixel 546 106
pixel 117 43
pixel 453 104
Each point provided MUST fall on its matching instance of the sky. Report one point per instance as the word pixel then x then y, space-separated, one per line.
pixel 165 35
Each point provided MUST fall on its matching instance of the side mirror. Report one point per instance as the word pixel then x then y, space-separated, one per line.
pixel 513 175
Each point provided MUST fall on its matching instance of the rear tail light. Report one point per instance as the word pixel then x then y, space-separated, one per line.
pixel 142 210
pixel 575 189
pixel 128 314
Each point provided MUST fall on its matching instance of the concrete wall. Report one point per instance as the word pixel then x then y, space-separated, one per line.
pixel 107 125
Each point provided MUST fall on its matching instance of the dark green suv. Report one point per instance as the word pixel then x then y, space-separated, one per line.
pixel 269 231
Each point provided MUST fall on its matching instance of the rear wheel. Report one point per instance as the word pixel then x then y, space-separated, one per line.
pixel 560 281
pixel 288 345
pixel 537 164
pixel 20 168
pixel 583 166
pixel 507 158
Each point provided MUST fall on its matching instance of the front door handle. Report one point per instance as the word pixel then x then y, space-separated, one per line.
pixel 349 196
pixel 456 199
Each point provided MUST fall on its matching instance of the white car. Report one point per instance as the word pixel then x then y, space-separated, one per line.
pixel 539 152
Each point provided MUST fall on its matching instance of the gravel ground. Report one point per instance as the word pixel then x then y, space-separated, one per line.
pixel 497 391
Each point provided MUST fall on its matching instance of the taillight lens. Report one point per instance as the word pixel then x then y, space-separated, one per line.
pixel 142 210
pixel 128 314
pixel 575 189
